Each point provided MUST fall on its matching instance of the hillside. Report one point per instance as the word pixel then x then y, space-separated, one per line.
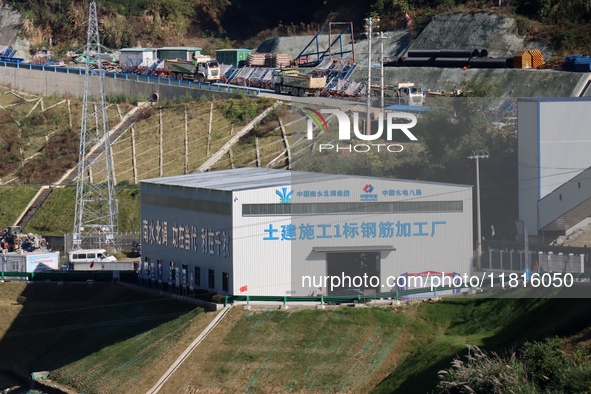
pixel 56 326
pixel 121 340
pixel 561 25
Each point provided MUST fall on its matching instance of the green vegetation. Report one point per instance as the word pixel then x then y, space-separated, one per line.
pixel 222 24
pixel 123 341
pixel 14 199
pixel 56 217
pixel 49 146
pixel 554 365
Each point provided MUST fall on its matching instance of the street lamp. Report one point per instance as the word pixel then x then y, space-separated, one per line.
pixel 476 155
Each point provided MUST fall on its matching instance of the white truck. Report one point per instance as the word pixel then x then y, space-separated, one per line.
pixel 292 82
pixel 408 94
pixel 201 69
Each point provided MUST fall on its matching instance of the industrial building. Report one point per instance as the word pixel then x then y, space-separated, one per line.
pixel 260 231
pixel 137 56
pixel 554 163
pixel 234 57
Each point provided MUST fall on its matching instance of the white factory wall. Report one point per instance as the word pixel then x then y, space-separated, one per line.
pixel 563 208
pixel 263 267
pixel 173 230
pixel 434 241
pixel 565 142
pixel 553 145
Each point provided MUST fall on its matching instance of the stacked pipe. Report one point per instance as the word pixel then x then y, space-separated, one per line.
pixel 472 58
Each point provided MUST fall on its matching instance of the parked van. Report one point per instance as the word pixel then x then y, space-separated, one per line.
pixel 91 255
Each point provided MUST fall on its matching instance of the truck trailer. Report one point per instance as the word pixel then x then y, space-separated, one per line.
pixel 294 83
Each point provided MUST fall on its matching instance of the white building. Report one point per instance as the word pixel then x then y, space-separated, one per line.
pixel 133 57
pixel 554 145
pixel 255 231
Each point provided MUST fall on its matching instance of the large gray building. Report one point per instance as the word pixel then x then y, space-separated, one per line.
pixel 255 231
pixel 554 145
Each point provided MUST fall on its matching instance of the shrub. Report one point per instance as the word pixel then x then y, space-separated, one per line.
pixel 218 298
pixel 484 373
pixel 21 300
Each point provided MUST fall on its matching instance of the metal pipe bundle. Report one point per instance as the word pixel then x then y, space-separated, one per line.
pixel 461 53
pixel 416 62
pixel 451 61
pixel 498 62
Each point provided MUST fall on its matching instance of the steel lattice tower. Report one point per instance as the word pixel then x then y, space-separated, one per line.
pixel 96 216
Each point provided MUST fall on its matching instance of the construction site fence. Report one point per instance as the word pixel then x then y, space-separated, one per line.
pixel 213 87
pixel 518 260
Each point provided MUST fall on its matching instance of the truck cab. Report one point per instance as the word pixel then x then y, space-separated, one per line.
pixel 409 94
pixel 208 69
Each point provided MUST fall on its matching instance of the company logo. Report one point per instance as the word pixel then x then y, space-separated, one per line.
pixel 368 188
pixel 284 195
pixel 344 122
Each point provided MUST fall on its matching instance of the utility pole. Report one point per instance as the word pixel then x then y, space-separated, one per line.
pixel 370 24
pixel 96 216
pixel 476 155
pixel 382 37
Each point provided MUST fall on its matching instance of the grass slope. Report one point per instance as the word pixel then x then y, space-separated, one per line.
pixel 105 338
pixel 362 350
pixel 56 217
pixel 99 338
pixel 14 199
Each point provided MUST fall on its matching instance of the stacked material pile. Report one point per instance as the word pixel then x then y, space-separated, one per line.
pixel 461 58
pixel 256 59
pixel 578 63
pixel 528 59
pixel 280 60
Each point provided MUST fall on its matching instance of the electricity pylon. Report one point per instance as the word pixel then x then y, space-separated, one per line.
pixel 95 221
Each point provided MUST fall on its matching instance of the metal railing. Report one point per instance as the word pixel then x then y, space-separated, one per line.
pixel 213 87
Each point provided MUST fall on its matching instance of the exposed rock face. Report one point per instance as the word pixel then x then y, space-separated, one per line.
pixel 496 33
pixel 11 22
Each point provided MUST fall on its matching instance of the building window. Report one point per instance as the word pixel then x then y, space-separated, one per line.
pixel 211 279
pixel 310 209
pixel 560 197
pixel 184 274
pixel 197 276
pixel 225 281
pixel 579 184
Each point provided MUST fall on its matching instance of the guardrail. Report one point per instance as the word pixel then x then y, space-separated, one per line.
pixel 84 276
pixel 394 295
pixel 213 87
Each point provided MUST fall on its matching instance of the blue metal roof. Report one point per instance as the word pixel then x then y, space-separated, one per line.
pixel 408 108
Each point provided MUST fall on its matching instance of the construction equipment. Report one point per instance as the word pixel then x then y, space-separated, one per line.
pixel 409 94
pixel 201 69
pixel 12 239
pixel 292 82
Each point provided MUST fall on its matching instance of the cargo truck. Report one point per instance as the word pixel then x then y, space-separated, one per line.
pixel 292 82
pixel 201 69
pixel 409 94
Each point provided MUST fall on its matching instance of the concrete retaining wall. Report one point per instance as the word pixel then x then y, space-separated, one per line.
pixel 49 83
pixel 508 82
